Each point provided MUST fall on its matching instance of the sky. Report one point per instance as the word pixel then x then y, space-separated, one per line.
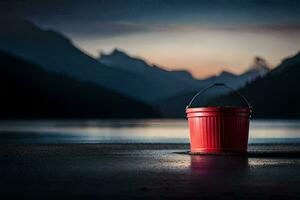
pixel 202 36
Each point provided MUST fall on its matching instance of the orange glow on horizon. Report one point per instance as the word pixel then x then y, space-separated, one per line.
pixel 199 67
pixel 202 52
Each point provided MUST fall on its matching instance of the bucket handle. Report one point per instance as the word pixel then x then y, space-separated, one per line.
pixel 219 84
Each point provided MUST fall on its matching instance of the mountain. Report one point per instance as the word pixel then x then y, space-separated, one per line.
pixel 183 75
pixel 274 96
pixel 258 69
pixel 122 60
pixel 118 72
pixel 31 92
pixel 174 107
pixel 172 81
pixel 56 53
pixel 287 63
pixel 178 78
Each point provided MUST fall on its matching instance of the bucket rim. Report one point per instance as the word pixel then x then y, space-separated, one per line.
pixel 219 109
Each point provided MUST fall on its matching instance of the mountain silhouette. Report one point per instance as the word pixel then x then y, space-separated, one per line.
pixel 259 66
pixel 121 60
pixel 274 96
pixel 258 69
pixel 174 106
pixel 56 53
pixel 117 72
pixel 31 92
pixel 182 74
pixel 166 80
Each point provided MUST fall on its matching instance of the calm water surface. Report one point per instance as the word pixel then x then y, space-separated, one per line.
pixel 132 131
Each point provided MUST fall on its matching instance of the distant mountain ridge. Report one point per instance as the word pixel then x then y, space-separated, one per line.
pixel 288 62
pixel 258 69
pixel 175 105
pixel 120 59
pixel 260 66
pixel 276 95
pixel 56 53
pixel 182 74
pixel 31 92
pixel 117 72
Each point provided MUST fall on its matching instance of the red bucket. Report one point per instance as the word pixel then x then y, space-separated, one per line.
pixel 219 129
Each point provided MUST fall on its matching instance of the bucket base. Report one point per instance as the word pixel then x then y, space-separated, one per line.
pixel 219 153
pixel 222 151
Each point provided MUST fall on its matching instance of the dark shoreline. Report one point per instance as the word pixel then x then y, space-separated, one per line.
pixel 134 171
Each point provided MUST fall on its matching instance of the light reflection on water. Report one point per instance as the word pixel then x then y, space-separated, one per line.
pixel 133 131
pixel 267 162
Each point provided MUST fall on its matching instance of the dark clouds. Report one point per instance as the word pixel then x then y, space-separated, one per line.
pixel 204 36
pixel 117 17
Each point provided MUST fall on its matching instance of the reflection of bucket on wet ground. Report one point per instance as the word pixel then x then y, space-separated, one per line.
pixel 208 165
pixel 218 129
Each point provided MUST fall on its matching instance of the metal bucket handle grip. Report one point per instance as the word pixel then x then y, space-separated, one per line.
pixel 219 84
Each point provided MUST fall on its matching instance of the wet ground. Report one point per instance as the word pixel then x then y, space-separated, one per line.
pixel 164 171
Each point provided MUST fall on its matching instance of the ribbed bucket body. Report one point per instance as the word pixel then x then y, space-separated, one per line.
pixel 219 129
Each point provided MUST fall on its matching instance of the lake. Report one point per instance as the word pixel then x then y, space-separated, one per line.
pixel 132 131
